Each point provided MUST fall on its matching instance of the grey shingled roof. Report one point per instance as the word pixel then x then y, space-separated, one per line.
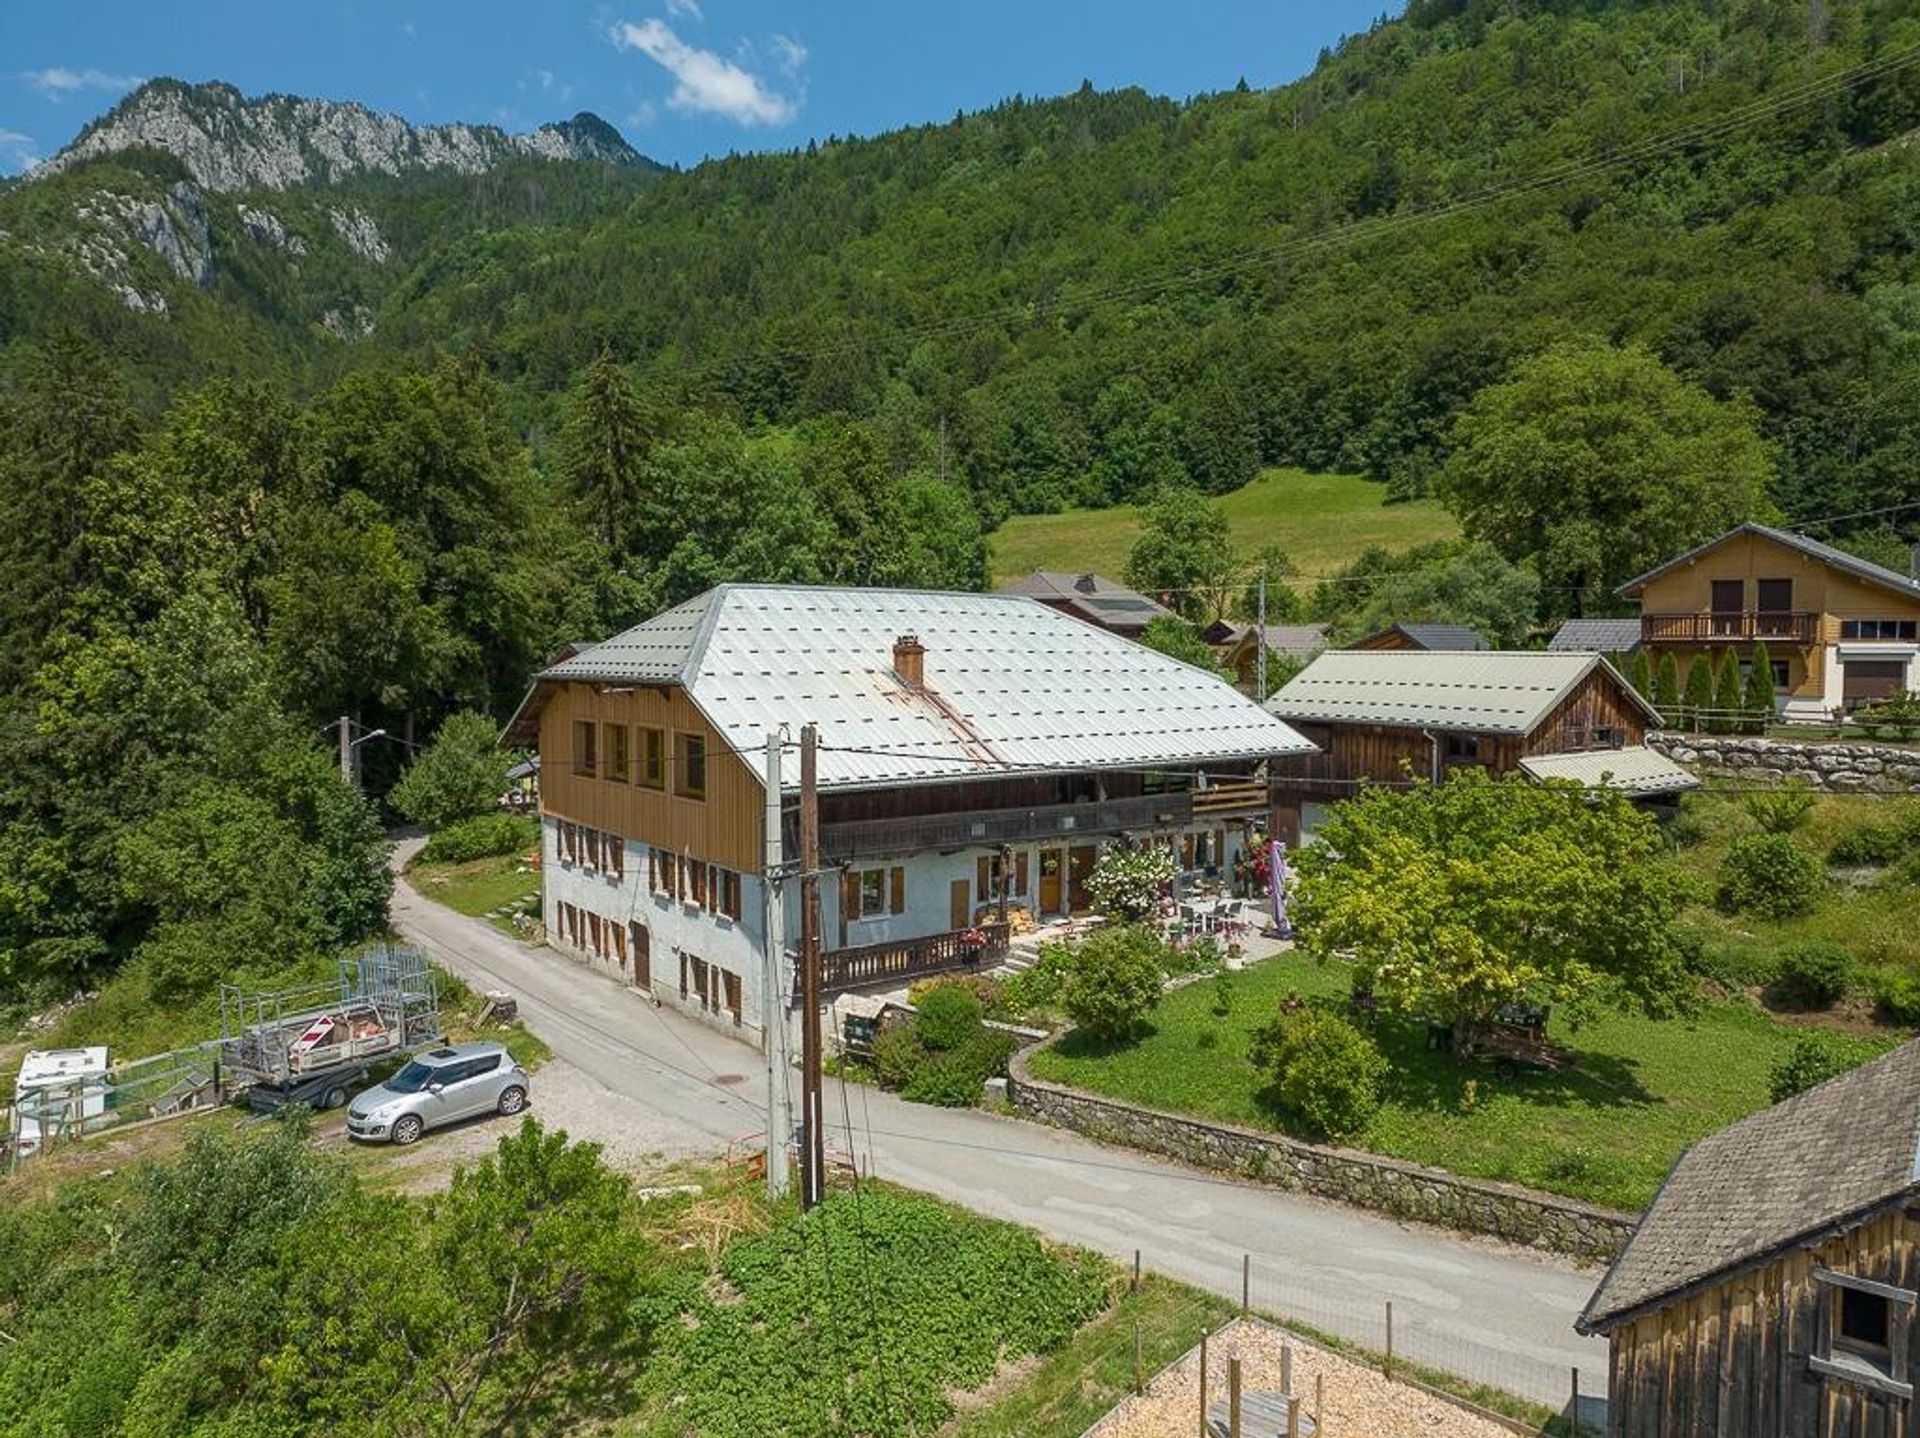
pixel 1597 636
pixel 1487 692
pixel 1294 641
pixel 1444 636
pixel 1012 685
pixel 1816 1164
pixel 1093 592
pixel 1851 563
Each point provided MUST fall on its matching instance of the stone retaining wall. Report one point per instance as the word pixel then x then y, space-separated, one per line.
pixel 1405 1190
pixel 1840 768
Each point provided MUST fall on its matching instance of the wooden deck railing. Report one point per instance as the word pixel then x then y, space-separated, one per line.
pixel 984 828
pixel 908 958
pixel 1238 797
pixel 1746 627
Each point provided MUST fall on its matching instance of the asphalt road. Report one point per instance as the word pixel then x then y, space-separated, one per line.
pixel 1481 1310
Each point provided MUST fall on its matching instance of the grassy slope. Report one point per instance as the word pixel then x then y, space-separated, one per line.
pixel 479 887
pixel 1606 1130
pixel 1321 520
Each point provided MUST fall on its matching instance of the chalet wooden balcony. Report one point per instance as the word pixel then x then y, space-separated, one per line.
pixel 1240 797
pixel 987 828
pixel 1746 627
pixel 908 959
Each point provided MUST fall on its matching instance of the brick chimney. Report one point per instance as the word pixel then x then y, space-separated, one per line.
pixel 910 661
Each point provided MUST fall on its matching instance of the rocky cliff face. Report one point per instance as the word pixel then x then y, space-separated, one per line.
pixel 231 143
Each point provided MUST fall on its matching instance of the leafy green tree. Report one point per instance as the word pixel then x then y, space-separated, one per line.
pixel 1729 694
pixel 1757 696
pixel 1184 553
pixel 1455 899
pixel 1284 604
pixel 1475 587
pixel 1597 462
pixel 1666 688
pixel 460 774
pixel 1175 637
pixel 1114 982
pixel 608 434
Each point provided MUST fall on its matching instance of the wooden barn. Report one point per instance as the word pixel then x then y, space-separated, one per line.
pixel 1769 1292
pixel 1390 716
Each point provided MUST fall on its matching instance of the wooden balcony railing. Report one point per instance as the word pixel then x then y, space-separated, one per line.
pixel 1747 627
pixel 1248 796
pixel 909 958
pixel 986 828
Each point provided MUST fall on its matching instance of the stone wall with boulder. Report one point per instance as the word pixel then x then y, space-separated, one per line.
pixel 1839 768
pixel 1405 1190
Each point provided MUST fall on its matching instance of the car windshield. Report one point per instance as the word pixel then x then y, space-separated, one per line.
pixel 413 1078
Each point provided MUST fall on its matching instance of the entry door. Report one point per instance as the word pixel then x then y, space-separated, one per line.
pixel 1729 597
pixel 960 904
pixel 1080 860
pixel 642 956
pixel 1051 862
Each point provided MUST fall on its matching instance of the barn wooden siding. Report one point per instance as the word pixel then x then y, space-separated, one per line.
pixel 723 828
pixel 1598 702
pixel 1735 1360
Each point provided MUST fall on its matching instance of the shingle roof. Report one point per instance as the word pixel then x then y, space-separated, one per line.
pixel 1491 692
pixel 1436 636
pixel 1295 641
pixel 1597 636
pixel 1812 548
pixel 1093 592
pixel 1635 770
pixel 1817 1163
pixel 1012 685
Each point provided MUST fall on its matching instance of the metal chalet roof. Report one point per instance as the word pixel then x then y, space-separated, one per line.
pixel 1839 558
pixel 1815 1165
pixel 1012 686
pixel 1635 770
pixel 1487 691
pixel 1596 636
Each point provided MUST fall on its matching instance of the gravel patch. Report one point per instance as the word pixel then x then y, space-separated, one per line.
pixel 1360 1401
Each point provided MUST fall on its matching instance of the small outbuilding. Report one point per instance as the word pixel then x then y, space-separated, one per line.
pixel 1770 1290
pixel 1424 636
pixel 1092 597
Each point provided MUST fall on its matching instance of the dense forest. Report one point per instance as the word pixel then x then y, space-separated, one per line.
pixel 568 395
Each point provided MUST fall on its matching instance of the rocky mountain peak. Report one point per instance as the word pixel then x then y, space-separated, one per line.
pixel 231 142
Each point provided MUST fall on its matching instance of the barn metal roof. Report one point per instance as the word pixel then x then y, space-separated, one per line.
pixel 1636 770
pixel 1485 692
pixel 1012 686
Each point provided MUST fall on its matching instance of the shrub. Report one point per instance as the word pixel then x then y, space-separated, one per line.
pixel 1814 974
pixel 486 837
pixel 949 1018
pixel 1114 981
pixel 1127 883
pixel 1815 1058
pixel 1769 874
pixel 1781 810
pixel 1897 993
pixel 897 1054
pixel 1666 689
pixel 945 1080
pixel 1223 984
pixel 1869 845
pixel 1692 824
pixel 1698 697
pixel 1037 987
pixel 1757 696
pixel 986 989
pixel 1735 966
pixel 463 772
pixel 1727 696
pixel 1324 1071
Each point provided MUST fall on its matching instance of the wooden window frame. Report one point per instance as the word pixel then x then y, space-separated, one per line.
pixel 878 908
pixel 586 737
pixel 1884 1370
pixel 652 772
pixel 619 751
pixel 686 768
pixel 616 856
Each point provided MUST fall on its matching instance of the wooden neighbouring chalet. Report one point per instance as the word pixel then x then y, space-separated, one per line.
pixel 1770 1290
pixel 976 754
pixel 1395 716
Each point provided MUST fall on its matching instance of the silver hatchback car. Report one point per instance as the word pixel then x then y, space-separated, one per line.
pixel 437 1087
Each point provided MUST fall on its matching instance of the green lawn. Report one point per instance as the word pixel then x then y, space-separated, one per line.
pixel 481 887
pixel 1605 1131
pixel 1321 520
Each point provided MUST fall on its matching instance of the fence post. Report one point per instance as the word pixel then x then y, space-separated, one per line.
pixel 1233 1396
pixel 1246 1284
pixel 1575 1410
pixel 1389 1363
pixel 1136 1271
pixel 1320 1405
pixel 1203 1383
pixel 1139 1374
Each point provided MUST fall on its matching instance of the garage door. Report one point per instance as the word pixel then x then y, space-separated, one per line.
pixel 1863 680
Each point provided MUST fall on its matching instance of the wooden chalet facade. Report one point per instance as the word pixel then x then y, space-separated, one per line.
pixel 976 753
pixel 1839 631
pixel 1388 717
pixel 1770 1290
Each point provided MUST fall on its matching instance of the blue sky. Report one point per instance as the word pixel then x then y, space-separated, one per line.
pixel 682 79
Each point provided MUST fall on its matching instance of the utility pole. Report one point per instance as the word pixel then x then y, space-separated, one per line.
pixel 346 748
pixel 813 1138
pixel 1260 641
pixel 774 1007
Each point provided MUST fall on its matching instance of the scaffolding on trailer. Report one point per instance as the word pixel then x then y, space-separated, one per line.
pixel 384 1001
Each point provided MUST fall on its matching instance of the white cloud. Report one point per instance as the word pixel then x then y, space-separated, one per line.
pixel 59 81
pixel 17 151
pixel 789 53
pixel 685 9
pixel 552 84
pixel 703 81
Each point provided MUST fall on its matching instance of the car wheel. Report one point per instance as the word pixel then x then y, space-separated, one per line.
pixel 407 1129
pixel 512 1100
pixel 335 1097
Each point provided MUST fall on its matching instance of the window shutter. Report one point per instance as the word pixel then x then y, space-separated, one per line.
pixel 898 879
pixel 1020 872
pixel 617 857
pixel 849 896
